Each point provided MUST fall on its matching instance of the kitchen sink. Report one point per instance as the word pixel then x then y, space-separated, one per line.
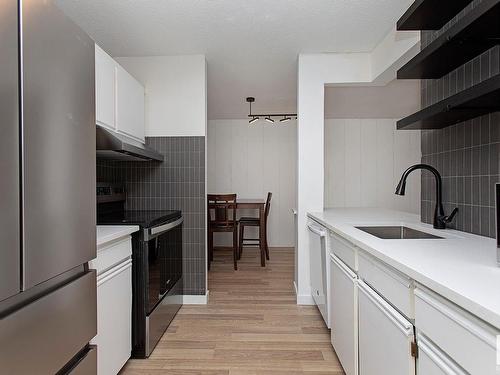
pixel 397 233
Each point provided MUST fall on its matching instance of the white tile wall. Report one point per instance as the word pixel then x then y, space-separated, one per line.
pixel 251 160
pixel 364 160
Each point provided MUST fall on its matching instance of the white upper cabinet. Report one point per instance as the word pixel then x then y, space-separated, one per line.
pixel 119 98
pixel 129 105
pixel 105 88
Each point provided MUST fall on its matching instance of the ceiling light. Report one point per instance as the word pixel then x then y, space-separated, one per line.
pixel 254 116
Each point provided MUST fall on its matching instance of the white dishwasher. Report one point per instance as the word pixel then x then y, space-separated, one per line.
pixel 319 269
pixel 114 306
pixel 386 337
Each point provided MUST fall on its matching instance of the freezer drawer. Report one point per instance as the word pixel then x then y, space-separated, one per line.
pixel 385 337
pixel 87 364
pixel 58 144
pixel 43 336
pixel 9 152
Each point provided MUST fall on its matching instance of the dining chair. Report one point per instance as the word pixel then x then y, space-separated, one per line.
pixel 254 222
pixel 221 217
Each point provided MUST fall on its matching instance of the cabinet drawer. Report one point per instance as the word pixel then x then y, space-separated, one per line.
pixel 394 286
pixel 432 361
pixel 344 250
pixel 112 254
pixel 469 341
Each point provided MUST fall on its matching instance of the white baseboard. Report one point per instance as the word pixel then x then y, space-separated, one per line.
pixel 189 299
pixel 303 299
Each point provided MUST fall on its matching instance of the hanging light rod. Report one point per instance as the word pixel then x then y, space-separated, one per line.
pixel 269 116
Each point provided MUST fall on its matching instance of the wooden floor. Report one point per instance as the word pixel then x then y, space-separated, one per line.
pixel 251 326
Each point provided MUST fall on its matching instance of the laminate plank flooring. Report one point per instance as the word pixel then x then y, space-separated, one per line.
pixel 251 326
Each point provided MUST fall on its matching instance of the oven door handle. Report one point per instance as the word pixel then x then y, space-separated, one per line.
pixel 166 227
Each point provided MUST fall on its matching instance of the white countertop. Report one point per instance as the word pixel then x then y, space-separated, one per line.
pixel 108 233
pixel 461 267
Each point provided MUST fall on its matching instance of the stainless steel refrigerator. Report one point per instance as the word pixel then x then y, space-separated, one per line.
pixel 47 192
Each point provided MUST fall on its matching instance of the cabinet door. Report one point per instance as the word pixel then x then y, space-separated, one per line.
pixel 114 317
pixel 344 305
pixel 385 337
pixel 105 68
pixel 433 361
pixel 129 105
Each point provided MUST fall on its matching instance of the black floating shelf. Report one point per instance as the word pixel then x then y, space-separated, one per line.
pixel 473 102
pixel 430 14
pixel 475 33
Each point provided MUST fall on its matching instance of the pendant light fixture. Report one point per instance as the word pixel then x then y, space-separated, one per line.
pixel 268 117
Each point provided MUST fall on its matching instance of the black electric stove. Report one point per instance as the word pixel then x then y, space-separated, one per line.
pixel 142 218
pixel 156 265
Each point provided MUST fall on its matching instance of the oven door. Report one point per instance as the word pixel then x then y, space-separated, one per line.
pixel 164 263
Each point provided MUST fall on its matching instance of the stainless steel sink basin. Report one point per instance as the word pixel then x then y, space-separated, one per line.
pixel 397 233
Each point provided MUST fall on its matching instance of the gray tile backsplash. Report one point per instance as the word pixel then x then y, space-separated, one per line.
pixel 466 154
pixel 177 183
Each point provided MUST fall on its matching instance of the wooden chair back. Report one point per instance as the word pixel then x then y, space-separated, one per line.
pixel 268 204
pixel 221 210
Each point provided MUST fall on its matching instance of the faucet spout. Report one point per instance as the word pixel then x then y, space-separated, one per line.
pixel 440 219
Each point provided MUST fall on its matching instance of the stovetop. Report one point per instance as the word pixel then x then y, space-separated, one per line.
pixel 145 219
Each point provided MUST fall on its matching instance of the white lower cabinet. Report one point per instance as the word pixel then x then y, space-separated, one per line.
pixel 386 337
pixel 114 306
pixel 370 305
pixel 433 361
pixel 465 338
pixel 114 303
pixel 344 315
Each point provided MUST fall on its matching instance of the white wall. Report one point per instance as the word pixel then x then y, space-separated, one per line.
pixel 397 99
pixel 364 160
pixel 175 103
pixel 315 71
pixel 251 160
pixel 176 94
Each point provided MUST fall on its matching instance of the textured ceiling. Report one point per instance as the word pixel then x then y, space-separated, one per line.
pixel 251 46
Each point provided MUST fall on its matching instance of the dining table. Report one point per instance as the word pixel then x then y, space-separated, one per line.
pixel 256 204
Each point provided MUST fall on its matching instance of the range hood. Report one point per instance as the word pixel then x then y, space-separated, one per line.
pixel 114 146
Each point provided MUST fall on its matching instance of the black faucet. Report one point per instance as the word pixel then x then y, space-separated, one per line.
pixel 440 219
